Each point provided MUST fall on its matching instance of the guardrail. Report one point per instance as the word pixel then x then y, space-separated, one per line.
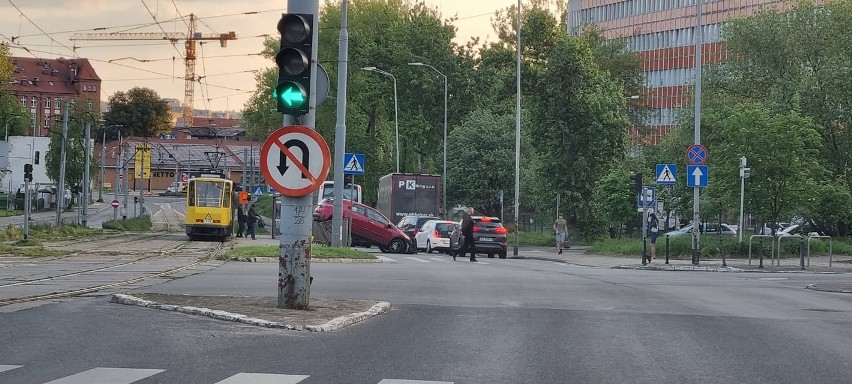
pixel 829 247
pixel 771 252
pixel 779 247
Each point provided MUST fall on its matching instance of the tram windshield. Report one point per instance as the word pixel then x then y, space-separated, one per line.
pixel 206 193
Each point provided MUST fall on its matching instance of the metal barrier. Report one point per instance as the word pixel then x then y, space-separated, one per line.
pixel 761 247
pixel 779 247
pixel 829 247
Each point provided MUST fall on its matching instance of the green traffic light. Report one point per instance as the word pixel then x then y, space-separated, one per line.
pixel 291 94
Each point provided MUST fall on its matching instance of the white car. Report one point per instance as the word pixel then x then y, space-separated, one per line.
pixel 435 235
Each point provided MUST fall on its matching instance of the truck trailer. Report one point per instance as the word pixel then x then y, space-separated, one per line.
pixel 406 194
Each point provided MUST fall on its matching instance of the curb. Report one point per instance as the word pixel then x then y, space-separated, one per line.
pixel 816 287
pixel 332 325
pixel 313 260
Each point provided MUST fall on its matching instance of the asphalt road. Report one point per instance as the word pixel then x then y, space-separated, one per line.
pixel 498 321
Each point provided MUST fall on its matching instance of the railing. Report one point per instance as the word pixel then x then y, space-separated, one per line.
pixel 829 247
pixel 779 246
pixel 771 252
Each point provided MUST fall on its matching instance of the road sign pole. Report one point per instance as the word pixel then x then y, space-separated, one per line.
pixel 696 217
pixel 644 199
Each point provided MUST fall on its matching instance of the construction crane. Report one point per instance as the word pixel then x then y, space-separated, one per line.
pixel 189 57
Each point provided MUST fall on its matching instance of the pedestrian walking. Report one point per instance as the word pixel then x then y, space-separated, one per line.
pixel 653 232
pixel 467 234
pixel 241 220
pixel 561 229
pixel 251 221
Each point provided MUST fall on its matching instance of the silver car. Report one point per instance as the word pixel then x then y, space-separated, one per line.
pixel 710 229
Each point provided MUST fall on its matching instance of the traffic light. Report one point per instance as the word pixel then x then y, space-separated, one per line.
pixel 294 63
pixel 37 155
pixel 28 172
pixel 636 182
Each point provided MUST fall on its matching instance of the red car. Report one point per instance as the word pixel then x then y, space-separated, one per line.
pixel 369 226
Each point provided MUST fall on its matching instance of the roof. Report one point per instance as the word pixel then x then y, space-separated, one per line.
pixel 55 76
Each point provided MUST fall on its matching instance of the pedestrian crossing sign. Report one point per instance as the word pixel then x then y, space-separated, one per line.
pixel 258 191
pixel 666 174
pixel 353 164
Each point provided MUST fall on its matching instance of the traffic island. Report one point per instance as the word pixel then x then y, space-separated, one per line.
pixel 323 315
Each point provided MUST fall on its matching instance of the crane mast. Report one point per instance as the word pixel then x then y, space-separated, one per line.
pixel 190 39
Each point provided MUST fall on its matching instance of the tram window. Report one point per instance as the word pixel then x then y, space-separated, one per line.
pixel 209 194
pixel 191 194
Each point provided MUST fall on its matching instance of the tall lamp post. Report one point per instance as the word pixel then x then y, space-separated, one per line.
pixel 395 107
pixel 7 125
pixel 103 160
pixel 444 178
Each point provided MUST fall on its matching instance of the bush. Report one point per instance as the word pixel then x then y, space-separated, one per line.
pixel 136 224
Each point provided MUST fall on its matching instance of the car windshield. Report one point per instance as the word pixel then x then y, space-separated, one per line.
pixel 444 227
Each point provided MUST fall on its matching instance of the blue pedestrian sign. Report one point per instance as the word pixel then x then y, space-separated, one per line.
pixel 353 164
pixel 666 174
pixel 697 175
pixel 650 198
pixel 258 191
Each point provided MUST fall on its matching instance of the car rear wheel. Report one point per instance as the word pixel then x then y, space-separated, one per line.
pixel 490 255
pixel 503 254
pixel 396 246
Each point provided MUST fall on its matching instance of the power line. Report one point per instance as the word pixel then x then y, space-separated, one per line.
pixel 39 28
pixel 165 34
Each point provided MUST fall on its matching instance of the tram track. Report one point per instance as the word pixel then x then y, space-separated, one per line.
pixel 80 291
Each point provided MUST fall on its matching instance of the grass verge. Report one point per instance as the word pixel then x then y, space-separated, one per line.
pixel 317 252
pixel 136 224
pixel 713 246
pixel 29 250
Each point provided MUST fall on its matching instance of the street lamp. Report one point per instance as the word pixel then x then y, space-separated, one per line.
pixel 7 125
pixel 395 108
pixel 103 160
pixel 444 178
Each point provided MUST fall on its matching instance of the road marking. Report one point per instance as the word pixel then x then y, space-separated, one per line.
pixel 483 263
pixel 398 381
pixel 417 259
pixel 263 378
pixel 107 376
pixel 385 258
pixel 772 278
pixel 437 259
pixel 9 367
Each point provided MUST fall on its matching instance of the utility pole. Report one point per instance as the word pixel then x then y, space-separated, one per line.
pixel 340 128
pixel 518 135
pixel 60 190
pixel 296 99
pixel 86 162
pixel 696 216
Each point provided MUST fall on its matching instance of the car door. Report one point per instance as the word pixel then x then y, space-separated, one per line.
pixel 360 224
pixel 381 228
pixel 423 234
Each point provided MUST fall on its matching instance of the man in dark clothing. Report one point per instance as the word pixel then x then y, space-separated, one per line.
pixel 251 220
pixel 467 233
pixel 241 221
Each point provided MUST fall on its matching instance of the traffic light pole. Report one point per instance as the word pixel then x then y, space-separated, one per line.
pixel 26 208
pixel 294 260
pixel 340 129
pixel 87 159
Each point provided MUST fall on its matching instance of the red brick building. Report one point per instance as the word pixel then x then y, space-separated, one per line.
pixel 663 33
pixel 43 86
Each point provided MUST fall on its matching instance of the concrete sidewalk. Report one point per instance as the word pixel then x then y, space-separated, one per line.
pixel 578 256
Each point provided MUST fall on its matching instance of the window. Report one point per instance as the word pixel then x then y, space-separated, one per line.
pixel 57 104
pixel 359 210
pixel 46 103
pixel 34 102
pixel 374 215
pixel 23 101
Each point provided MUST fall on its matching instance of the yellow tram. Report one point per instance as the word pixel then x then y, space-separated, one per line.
pixel 209 206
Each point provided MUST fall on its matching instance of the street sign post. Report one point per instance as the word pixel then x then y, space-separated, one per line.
pixel 646 199
pixel 115 203
pixel 295 160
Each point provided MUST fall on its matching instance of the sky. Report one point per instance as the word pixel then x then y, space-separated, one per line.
pixel 46 26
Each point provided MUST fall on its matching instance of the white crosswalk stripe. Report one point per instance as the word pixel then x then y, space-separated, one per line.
pixel 417 259
pixel 386 259
pixel 103 375
pixel 437 259
pixel 8 367
pixel 262 378
pixel 107 376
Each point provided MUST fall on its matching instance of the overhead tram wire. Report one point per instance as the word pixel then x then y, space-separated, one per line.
pixel 179 14
pixel 165 34
pixel 41 30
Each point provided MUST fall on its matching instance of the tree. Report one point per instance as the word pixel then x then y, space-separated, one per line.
pixel 581 127
pixel 11 115
pixel 140 111
pixel 483 162
pixel 614 202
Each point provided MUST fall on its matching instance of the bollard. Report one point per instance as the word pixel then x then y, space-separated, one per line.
pixel 667 249
pixel 722 250
pixel 760 243
pixel 802 252
pixel 644 249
